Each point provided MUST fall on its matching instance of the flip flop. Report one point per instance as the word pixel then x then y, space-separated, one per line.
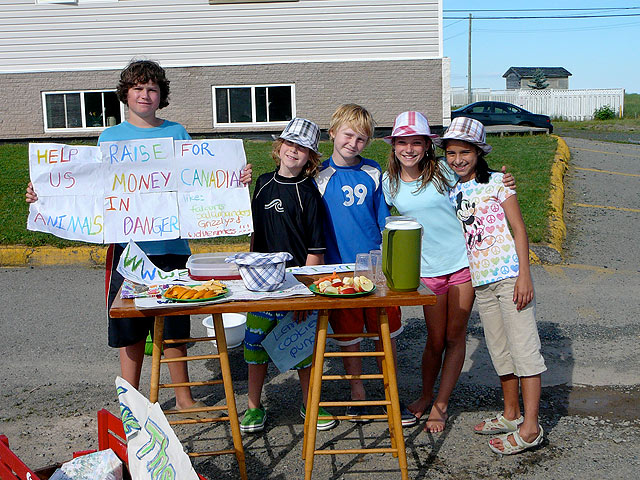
pixel 520 446
pixel 499 424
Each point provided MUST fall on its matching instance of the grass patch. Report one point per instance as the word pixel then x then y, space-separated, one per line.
pixel 529 158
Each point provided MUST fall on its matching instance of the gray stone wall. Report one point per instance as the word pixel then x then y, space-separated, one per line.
pixel 385 88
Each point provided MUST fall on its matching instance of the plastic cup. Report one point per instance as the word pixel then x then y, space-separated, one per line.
pixel 363 265
pixel 376 268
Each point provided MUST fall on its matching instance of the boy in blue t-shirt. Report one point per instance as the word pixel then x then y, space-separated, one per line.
pixel 355 212
pixel 144 88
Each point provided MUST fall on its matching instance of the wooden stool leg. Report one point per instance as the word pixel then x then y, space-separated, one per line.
pixel 313 365
pixel 221 341
pixel 314 398
pixel 393 392
pixel 387 395
pixel 158 336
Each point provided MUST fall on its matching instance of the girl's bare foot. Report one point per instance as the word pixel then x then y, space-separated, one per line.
pixel 419 406
pixel 437 419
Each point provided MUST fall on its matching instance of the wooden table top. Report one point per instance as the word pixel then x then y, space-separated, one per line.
pixel 380 298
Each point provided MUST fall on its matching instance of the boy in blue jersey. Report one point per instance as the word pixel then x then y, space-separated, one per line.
pixel 355 212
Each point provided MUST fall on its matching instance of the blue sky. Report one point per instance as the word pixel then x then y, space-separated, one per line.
pixel 599 52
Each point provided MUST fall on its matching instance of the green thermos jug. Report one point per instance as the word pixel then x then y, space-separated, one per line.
pixel 401 247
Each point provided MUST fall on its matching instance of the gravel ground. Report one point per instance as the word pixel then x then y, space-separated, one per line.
pixel 57 370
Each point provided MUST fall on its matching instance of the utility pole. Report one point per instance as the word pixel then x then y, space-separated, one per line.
pixel 469 65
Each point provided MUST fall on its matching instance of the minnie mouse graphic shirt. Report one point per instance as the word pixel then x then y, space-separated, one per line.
pixel 490 247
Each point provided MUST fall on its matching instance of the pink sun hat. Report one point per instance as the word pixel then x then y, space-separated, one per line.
pixel 408 124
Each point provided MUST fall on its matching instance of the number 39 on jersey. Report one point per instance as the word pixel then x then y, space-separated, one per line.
pixel 356 194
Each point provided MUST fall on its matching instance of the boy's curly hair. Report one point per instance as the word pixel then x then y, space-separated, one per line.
pixel 356 117
pixel 312 166
pixel 430 171
pixel 143 71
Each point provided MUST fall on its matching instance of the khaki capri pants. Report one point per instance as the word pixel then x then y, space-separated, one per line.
pixel 511 335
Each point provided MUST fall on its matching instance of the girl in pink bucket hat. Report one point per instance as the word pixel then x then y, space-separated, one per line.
pixel 417 183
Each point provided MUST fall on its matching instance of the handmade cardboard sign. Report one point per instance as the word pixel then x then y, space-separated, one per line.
pixel 70 217
pixel 289 342
pixel 134 265
pixel 138 217
pixel 153 448
pixel 211 198
pixel 142 190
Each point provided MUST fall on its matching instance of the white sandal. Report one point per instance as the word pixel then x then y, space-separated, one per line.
pixel 499 424
pixel 520 446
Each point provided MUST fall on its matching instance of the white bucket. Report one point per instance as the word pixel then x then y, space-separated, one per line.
pixel 233 328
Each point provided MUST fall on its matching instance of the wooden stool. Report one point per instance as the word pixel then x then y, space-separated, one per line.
pixel 391 401
pixel 223 357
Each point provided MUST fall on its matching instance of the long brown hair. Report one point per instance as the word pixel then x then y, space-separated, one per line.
pixel 430 170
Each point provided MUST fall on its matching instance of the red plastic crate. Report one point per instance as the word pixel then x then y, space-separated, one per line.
pixel 110 435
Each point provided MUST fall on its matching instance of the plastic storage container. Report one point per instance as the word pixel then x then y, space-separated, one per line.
pixel 205 266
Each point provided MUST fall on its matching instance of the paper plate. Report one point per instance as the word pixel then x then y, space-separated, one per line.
pixel 314 289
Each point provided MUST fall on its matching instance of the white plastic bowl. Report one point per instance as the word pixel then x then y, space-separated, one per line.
pixel 233 328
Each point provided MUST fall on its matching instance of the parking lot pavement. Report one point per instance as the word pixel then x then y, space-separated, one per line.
pixel 57 370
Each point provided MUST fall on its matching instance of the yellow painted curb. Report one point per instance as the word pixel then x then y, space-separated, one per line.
pixel 557 227
pixel 92 256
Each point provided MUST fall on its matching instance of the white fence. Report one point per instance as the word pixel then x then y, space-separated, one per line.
pixel 565 104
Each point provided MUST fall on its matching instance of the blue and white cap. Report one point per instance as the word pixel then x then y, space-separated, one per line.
pixel 303 132
pixel 261 272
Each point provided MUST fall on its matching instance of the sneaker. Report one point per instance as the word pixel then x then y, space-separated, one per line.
pixel 408 419
pixel 324 423
pixel 253 420
pixel 356 411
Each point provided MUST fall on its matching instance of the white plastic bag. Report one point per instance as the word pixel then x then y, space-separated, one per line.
pixel 101 465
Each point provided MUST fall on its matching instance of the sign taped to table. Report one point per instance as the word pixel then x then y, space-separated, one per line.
pixel 147 189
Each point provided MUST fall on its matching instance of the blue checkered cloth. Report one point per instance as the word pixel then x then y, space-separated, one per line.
pixel 261 272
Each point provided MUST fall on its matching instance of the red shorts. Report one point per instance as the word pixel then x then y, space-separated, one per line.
pixel 440 284
pixel 354 320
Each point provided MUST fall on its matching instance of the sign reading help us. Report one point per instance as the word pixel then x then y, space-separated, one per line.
pixel 289 342
pixel 213 202
pixel 153 449
pixel 147 189
pixel 62 170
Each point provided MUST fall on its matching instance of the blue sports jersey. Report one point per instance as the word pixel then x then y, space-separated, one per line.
pixel 127 131
pixel 355 209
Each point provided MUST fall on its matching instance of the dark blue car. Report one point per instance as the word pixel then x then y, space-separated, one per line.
pixel 501 113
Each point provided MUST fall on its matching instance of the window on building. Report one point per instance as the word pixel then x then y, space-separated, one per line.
pixel 81 110
pixel 260 104
pixel 76 2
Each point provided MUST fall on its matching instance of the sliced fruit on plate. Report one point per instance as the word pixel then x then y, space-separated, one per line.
pixel 366 285
pixel 331 289
pixel 347 290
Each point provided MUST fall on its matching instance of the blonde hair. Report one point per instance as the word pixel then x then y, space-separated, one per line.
pixel 355 117
pixel 311 167
pixel 430 170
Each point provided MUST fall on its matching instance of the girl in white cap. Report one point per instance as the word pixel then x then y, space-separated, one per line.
pixel 417 184
pixel 500 274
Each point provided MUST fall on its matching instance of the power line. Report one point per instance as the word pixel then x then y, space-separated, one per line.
pixel 534 17
pixel 540 9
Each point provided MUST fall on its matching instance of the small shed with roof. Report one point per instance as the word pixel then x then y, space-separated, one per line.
pixel 521 77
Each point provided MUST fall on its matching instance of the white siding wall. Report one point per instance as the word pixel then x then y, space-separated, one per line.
pixel 107 35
